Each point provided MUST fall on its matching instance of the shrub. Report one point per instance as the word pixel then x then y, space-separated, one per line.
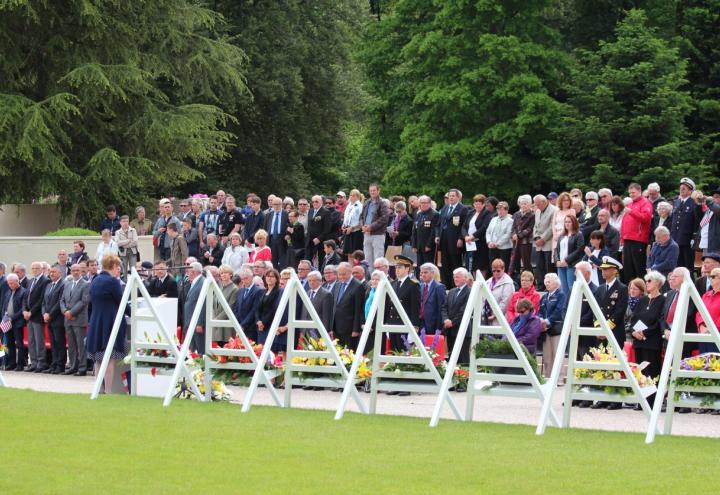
pixel 73 232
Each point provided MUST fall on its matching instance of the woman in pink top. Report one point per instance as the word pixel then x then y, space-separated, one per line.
pixel 564 208
pixel 262 250
pixel 711 300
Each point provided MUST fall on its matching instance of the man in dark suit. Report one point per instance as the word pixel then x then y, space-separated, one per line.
pixel 612 235
pixel 196 281
pixel 52 315
pixel 248 301
pixel 448 236
pixel 276 224
pixel 675 281
pixel 331 256
pixel 32 312
pixel 408 292
pixel 11 307
pixel 162 284
pixel 213 253
pixel 588 217
pixel 433 310
pixel 685 220
pixel 349 298
pixel 612 297
pixel 319 230
pixel 323 302
pixel 587 318
pixel 422 239
pixel 457 300
pixel 74 306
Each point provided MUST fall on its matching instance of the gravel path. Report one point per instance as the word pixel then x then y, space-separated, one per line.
pixel 490 409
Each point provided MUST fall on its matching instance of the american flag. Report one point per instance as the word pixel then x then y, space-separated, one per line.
pixel 5 324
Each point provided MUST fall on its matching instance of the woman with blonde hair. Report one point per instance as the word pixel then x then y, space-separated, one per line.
pixel 564 209
pixel 229 290
pixel 235 254
pixel 262 250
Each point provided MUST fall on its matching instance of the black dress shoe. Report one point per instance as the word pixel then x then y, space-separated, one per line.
pixel 637 407
pixel 403 394
pixel 599 405
pixel 392 392
pixel 81 373
pixel 42 370
pixel 47 371
pixel 683 410
pixel 584 404
pixel 56 372
pixel 11 368
pixel 461 390
pixel 30 369
pixel 614 406
pixel 71 371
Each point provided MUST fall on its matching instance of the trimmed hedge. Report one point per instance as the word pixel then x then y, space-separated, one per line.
pixel 73 232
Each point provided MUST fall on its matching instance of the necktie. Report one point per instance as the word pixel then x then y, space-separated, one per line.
pixel 72 286
pixel 671 311
pixel 276 224
pixel 424 300
pixel 32 285
pixel 341 291
pixel 312 294
pixel 245 293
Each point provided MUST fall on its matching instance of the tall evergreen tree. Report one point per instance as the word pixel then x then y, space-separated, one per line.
pixel 110 101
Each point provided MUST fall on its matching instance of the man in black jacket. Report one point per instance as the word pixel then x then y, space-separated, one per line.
pixel 276 224
pixel 457 300
pixel 349 298
pixel 11 308
pixel 320 225
pixel 53 316
pixel 32 312
pixel 448 236
pixel 612 297
pixel 423 234
pixel 584 269
pixel 163 284
pixel 408 292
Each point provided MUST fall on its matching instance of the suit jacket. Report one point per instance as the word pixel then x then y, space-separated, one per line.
pixel 217 254
pixel 586 315
pixel 246 308
pixel 523 226
pixel 685 219
pixel 18 300
pixel 333 259
pixel 435 309
pixel 450 227
pixel 552 308
pixel 576 249
pixel 76 301
pixel 178 252
pixel 543 228
pixel 320 225
pixel 268 223
pixel 324 304
pixel 613 304
pixel 34 298
pixel 424 229
pixel 350 310
pixel 689 322
pixel 612 240
pixel 51 303
pixel 191 302
pixel 168 286
pixel 409 294
pixel 404 232
pixel 457 300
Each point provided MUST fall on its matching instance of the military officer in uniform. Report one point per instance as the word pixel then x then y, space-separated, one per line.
pixel 423 234
pixel 612 297
pixel 408 292
pixel 685 220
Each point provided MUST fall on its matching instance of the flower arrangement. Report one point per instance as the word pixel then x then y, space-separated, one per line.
pixel 461 377
pixel 3 350
pixel 347 356
pixel 236 343
pixel 195 363
pixel 412 350
pixel 489 347
pixel 704 362
pixel 153 352
pixel 238 377
pixel 604 354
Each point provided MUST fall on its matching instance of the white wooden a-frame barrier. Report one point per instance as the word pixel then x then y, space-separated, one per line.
pixel 294 290
pixel 523 383
pixel 673 355
pixel 3 383
pixel 377 313
pixel 134 283
pixel 210 292
pixel 572 331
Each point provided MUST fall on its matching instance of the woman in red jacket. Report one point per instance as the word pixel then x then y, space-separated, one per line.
pixel 711 300
pixel 527 291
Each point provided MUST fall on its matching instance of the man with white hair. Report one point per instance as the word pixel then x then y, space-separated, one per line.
pixel 587 318
pixel 382 264
pixel 664 252
pixel 522 236
pixel 195 277
pixel 433 311
pixel 323 302
pixel 11 307
pixel 604 198
pixel 247 303
pixel 423 234
pixel 542 237
pixel 33 316
pixel 349 299
pixel 654 196
pixel 457 300
pixel 449 234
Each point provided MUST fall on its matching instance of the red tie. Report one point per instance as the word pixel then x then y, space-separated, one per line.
pixel 424 299
pixel 671 312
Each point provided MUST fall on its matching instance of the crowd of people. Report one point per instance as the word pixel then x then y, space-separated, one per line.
pixel 633 251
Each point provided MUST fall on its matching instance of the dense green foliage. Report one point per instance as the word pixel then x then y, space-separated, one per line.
pixel 73 232
pixel 121 101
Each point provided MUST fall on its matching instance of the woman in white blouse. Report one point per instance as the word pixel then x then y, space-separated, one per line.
pixel 499 234
pixel 107 246
pixel 351 228
pixel 235 254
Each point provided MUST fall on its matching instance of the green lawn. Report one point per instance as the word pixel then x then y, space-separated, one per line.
pixel 54 443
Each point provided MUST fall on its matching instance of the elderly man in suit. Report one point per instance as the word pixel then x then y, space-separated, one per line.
pixel 448 235
pixel 52 315
pixel 162 284
pixel 196 281
pixel 74 306
pixel 542 237
pixel 248 301
pixel 276 224
pixel 322 301
pixel 423 234
pixel 32 312
pixel 11 308
pixel 349 298
pixel 612 297
pixel 584 269
pixel 433 311
pixel 457 300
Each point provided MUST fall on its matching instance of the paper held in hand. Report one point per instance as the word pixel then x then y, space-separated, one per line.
pixel 639 326
pixel 470 246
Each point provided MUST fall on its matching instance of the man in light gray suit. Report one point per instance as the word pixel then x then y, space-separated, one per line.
pixel 74 306
pixel 542 237
pixel 196 280
pixel 322 301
